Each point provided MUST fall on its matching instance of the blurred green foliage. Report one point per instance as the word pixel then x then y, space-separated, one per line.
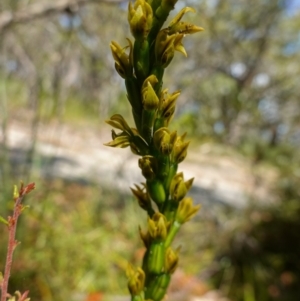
pixel 72 243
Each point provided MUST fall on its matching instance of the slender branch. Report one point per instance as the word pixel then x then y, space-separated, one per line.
pixel 39 10
pixel 12 243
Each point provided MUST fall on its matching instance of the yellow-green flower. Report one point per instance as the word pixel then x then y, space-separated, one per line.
pixel 136 280
pixel 148 166
pixel 186 210
pixel 179 188
pixel 171 260
pixel 164 140
pixel 142 196
pixel 157 226
pixel 180 147
pixel 183 27
pixel 123 61
pixel 167 104
pixel 165 46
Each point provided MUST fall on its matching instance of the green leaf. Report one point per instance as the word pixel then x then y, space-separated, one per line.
pixel 3 220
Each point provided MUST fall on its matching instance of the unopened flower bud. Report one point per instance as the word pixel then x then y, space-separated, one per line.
pixel 150 99
pixel 140 17
pixel 16 192
pixel 152 79
pixel 156 191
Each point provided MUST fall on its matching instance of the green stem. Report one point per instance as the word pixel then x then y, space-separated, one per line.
pixel 158 287
pixel 173 231
pixel 134 97
pixel 141 60
pixel 167 180
pixel 164 166
pixel 158 123
pixel 169 210
pixel 138 298
pixel 158 71
pixel 160 16
pixel 147 125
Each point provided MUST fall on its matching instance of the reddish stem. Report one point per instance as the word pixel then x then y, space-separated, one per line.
pixel 12 243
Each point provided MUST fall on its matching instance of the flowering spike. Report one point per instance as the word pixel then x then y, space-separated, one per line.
pixel 143 66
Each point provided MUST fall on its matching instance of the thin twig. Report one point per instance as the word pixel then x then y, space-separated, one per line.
pixel 12 243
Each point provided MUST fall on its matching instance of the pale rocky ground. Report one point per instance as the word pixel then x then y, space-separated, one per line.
pixel 221 175
pixel 77 153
